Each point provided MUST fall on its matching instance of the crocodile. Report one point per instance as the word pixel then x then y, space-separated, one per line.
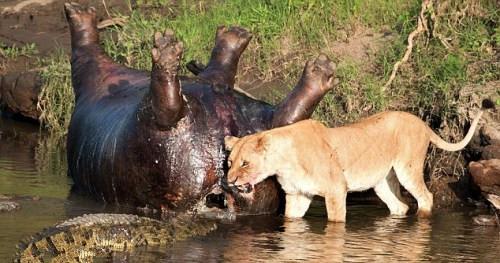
pixel 83 238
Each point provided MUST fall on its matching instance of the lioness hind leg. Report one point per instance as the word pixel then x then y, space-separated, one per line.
pixel 297 205
pixel 336 206
pixel 411 176
pixel 388 191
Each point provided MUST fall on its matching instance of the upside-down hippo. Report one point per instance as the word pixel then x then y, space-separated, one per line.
pixel 156 138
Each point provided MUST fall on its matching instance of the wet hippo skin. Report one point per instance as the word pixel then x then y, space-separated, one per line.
pixel 156 138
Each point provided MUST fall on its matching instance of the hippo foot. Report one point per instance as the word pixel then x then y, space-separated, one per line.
pixel 317 79
pixel 166 53
pixel 234 38
pixel 167 102
pixel 223 64
pixel 320 74
pixel 80 17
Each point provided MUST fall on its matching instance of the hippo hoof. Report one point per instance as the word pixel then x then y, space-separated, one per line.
pixel 78 15
pixel 167 51
pixel 321 71
pixel 235 38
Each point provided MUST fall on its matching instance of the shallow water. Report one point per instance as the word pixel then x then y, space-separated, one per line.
pixel 31 167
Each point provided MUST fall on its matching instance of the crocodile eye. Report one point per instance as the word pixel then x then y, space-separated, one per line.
pixel 244 163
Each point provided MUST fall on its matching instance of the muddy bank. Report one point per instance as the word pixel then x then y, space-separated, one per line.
pixel 40 23
pixel 484 167
pixel 449 177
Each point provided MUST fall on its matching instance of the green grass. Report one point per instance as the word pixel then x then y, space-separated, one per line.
pixel 13 52
pixel 357 93
pixel 56 101
pixel 308 25
pixel 287 33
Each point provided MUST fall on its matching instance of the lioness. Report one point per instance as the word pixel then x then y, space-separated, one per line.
pixel 310 159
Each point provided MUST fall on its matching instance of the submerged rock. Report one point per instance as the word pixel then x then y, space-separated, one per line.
pixel 486 175
pixel 486 220
pixel 8 206
pixel 19 93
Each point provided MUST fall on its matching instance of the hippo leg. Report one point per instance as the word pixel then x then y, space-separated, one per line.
pixel 91 69
pixel 229 45
pixel 165 92
pixel 317 79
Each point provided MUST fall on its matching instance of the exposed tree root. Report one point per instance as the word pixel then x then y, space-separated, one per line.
pixel 421 27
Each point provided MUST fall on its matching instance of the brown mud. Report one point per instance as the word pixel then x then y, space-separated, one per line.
pixel 42 23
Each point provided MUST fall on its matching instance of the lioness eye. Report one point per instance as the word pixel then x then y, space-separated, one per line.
pixel 244 163
pixel 229 162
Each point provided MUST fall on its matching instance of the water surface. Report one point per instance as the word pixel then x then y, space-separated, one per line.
pixel 34 170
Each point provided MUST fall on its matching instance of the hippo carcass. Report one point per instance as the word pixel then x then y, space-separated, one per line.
pixel 156 138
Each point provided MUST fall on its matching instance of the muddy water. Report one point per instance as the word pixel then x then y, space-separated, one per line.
pixel 33 170
pixel 33 174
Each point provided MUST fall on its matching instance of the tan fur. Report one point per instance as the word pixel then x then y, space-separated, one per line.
pixel 310 159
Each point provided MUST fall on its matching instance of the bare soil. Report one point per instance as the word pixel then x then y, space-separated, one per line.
pixel 41 22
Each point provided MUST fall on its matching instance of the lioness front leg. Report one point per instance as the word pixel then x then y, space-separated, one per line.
pixel 297 205
pixel 336 205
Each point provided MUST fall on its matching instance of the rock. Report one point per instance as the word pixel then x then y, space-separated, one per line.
pixel 486 175
pixel 491 133
pixel 486 220
pixel 8 206
pixel 473 97
pixel 491 152
pixel 19 93
pixel 494 200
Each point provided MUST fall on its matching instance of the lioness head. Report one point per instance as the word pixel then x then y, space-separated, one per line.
pixel 249 162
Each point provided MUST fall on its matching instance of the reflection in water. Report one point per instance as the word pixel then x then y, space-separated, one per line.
pixel 316 240
pixel 33 170
pixel 368 236
pixel 28 161
pixel 31 166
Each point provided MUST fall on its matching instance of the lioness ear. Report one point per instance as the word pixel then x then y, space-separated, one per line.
pixel 262 143
pixel 230 141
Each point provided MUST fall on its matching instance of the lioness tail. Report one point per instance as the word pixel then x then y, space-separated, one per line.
pixel 441 144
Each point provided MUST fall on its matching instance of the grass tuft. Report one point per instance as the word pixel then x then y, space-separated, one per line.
pixel 56 100
pixel 13 52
